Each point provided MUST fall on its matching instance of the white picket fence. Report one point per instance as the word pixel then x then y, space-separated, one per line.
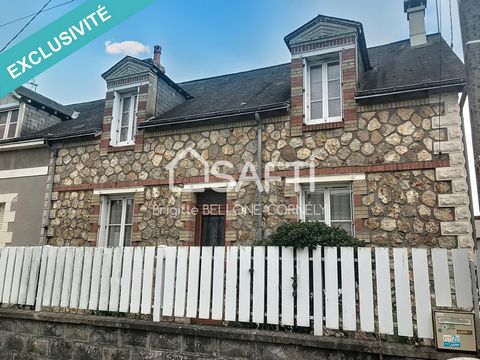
pixel 376 290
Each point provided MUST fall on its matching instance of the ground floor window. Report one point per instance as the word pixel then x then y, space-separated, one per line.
pixel 210 221
pixel 116 221
pixel 331 205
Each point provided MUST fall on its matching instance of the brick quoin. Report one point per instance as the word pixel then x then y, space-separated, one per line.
pixel 108 111
pixel 357 200
pixel 358 225
pixel 142 106
pixel 109 96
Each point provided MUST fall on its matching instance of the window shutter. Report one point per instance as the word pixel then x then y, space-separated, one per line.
pixel 114 129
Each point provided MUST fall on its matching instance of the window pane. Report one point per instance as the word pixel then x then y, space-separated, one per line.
pixel 2 131
pixel 115 212
pixel 316 110
pixel 347 226
pixel 334 108
pixel 341 206
pixel 126 111
pixel 334 89
pixel 315 206
pixel 113 236
pixel 128 236
pixel 129 211
pixel 316 74
pixel 3 117
pixel 12 129
pixel 213 231
pixel 316 91
pixel 333 71
pixel 14 117
pixel 124 134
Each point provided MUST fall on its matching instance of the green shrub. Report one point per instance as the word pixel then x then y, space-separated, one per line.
pixel 310 234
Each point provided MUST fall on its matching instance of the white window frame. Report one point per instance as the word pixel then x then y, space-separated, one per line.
pixel 327 188
pixel 10 110
pixel 105 218
pixel 115 131
pixel 308 64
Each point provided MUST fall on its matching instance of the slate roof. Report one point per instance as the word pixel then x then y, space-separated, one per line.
pixel 88 122
pixel 233 93
pixel 398 65
pixel 67 111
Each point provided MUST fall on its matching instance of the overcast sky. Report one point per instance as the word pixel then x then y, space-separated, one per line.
pixel 203 38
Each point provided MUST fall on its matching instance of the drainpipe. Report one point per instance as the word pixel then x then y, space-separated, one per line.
pixel 469 175
pixel 260 172
pixel 48 198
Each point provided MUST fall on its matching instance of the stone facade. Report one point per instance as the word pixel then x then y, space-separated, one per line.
pixel 422 202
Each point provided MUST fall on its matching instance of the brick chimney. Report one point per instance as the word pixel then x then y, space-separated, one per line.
pixel 415 10
pixel 157 53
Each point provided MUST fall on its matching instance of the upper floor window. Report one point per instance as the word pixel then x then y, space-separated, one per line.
pixel 124 118
pixel 323 92
pixel 331 205
pixel 8 124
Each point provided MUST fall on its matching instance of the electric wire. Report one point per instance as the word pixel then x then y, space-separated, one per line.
pixel 29 16
pixel 26 25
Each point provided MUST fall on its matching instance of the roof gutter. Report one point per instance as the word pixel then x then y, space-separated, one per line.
pixel 95 133
pixel 213 116
pixel 410 89
pixel 30 144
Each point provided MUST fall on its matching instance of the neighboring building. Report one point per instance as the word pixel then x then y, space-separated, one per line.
pixel 24 163
pixel 381 124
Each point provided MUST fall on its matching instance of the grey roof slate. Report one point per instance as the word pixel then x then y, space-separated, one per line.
pixel 227 93
pixel 398 65
pixel 88 122
pixel 67 111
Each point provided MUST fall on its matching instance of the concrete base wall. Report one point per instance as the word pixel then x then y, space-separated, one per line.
pixel 29 335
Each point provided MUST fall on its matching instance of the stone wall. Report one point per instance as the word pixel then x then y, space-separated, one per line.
pixel 29 335
pixel 404 211
pixel 411 153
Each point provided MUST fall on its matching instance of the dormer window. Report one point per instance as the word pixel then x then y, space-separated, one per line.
pixel 323 92
pixel 8 123
pixel 124 121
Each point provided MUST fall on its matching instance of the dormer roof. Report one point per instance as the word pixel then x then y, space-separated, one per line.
pixel 130 66
pixel 325 28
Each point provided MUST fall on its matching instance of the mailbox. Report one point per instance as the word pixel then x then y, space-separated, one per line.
pixel 455 330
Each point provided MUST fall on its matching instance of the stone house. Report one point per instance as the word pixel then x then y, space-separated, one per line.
pixel 24 164
pixel 381 125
